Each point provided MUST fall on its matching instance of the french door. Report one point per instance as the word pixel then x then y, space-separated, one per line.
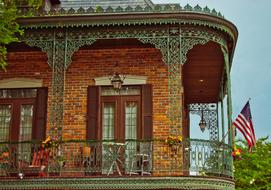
pixel 121 118
pixel 22 118
pixel 16 119
pixel 120 124
pixel 16 122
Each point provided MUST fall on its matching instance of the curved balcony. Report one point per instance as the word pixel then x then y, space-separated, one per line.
pixel 132 164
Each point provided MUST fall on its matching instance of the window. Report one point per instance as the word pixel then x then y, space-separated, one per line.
pixel 119 115
pixel 22 114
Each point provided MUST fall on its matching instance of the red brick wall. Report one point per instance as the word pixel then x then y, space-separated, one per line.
pixel 89 64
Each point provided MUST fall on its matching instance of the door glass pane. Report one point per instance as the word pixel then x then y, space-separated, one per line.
pixel 108 121
pixel 25 132
pixel 130 131
pixel 125 90
pixel 108 134
pixel 26 123
pixel 130 120
pixel 5 122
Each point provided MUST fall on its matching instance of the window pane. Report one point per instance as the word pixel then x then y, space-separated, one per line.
pixel 130 120
pixel 125 90
pixel 18 93
pixel 5 122
pixel 25 132
pixel 130 130
pixel 108 121
pixel 26 122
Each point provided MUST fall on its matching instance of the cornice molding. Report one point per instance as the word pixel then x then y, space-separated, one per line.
pixel 20 83
pixel 134 19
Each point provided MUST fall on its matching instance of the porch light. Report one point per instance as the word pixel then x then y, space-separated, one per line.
pixel 117 81
pixel 202 123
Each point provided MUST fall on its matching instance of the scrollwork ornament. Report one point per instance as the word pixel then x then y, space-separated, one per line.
pixel 73 45
pixel 209 114
pixel 45 46
pixel 159 43
pixel 188 44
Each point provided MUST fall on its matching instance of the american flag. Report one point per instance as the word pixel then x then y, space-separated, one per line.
pixel 244 124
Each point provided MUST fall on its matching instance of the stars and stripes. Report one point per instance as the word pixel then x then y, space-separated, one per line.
pixel 244 124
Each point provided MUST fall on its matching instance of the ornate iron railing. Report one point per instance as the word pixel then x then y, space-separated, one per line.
pixel 108 158
pixel 208 158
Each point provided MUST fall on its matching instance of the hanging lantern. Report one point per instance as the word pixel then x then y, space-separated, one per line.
pixel 117 81
pixel 202 123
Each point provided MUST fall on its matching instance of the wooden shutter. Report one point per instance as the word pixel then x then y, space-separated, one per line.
pixel 93 104
pixel 39 127
pixel 147 111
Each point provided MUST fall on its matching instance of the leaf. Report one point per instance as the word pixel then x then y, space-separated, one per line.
pixel 9 28
pixel 253 171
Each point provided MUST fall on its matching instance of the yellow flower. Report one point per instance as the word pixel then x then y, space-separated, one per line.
pixel 48 139
pixel 171 140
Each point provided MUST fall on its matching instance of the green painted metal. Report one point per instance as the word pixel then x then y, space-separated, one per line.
pixel 229 99
pixel 217 121
pixel 158 8
pixel 133 22
pixel 174 81
pixel 209 162
pixel 119 183
pixel 192 36
pixel 210 114
pixel 222 120
pixel 207 158
pixel 195 157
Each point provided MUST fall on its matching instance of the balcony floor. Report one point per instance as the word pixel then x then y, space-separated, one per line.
pixel 133 183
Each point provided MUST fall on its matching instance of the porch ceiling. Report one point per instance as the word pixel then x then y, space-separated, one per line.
pixel 203 73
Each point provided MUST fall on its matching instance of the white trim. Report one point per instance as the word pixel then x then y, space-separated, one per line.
pixel 128 80
pixel 20 83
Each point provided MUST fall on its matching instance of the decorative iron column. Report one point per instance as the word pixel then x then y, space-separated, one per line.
pixel 174 80
pixel 222 112
pixel 229 99
pixel 170 46
pixel 58 84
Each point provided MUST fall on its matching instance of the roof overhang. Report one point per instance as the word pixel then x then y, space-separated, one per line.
pixel 203 74
pixel 135 18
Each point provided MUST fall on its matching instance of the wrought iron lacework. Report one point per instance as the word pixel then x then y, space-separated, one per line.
pixel 164 8
pixel 171 41
pixel 192 36
pixel 210 115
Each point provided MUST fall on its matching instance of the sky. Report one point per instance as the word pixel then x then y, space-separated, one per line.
pixel 251 67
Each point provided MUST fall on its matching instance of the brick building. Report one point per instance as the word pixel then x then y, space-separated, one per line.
pixel 113 84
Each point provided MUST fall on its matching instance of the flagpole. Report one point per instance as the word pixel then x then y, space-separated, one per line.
pixel 223 138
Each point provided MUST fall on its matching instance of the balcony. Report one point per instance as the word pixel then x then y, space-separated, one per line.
pixel 130 164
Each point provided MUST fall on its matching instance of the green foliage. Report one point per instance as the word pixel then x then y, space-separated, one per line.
pixel 9 28
pixel 253 170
